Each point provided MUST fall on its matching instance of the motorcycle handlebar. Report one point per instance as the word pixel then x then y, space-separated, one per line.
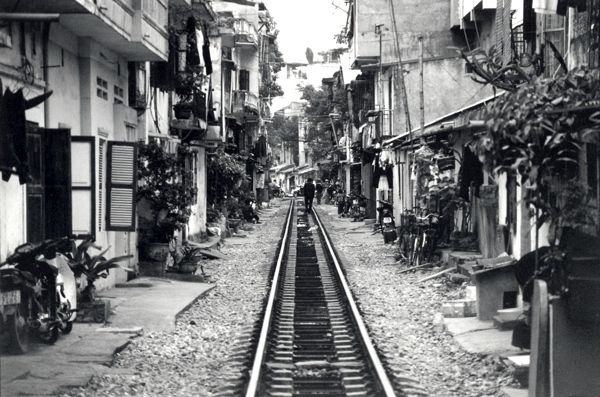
pixel 30 251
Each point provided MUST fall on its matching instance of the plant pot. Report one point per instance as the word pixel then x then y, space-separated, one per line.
pixel 156 252
pixel 183 110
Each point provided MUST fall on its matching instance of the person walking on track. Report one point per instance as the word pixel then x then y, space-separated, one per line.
pixel 309 194
pixel 319 188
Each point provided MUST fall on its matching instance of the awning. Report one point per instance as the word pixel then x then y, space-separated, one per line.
pixel 456 120
pixel 282 167
pixel 306 171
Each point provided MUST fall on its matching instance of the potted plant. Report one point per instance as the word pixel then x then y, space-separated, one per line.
pixel 89 269
pixel 165 197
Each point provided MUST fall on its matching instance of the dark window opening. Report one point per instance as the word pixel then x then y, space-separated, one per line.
pixel 244 80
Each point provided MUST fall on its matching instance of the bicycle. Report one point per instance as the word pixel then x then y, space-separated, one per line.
pixel 424 245
pixel 407 234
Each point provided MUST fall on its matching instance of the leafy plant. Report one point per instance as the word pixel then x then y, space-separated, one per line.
pixel 537 133
pixel 225 174
pixel 93 267
pixel 167 185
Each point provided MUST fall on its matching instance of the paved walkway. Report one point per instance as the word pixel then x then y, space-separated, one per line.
pixel 144 305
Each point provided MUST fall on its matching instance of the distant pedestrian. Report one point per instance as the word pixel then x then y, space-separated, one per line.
pixel 319 189
pixel 309 194
pixel 249 212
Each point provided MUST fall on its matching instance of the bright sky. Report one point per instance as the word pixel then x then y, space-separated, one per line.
pixel 306 23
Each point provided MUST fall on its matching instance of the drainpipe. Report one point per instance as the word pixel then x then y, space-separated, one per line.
pixel 45 66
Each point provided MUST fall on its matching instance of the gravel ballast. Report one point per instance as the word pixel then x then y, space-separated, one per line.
pixel 399 312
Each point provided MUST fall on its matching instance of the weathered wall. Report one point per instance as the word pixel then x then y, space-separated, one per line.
pixel 197 222
pixel 64 80
pixel 430 18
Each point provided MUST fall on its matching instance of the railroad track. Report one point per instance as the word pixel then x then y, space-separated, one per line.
pixel 312 340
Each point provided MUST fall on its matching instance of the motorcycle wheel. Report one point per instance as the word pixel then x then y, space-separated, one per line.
pixel 68 327
pixel 19 333
pixel 49 337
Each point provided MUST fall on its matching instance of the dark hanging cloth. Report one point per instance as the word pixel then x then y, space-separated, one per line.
pixel 368 155
pixel 562 5
pixel 529 21
pixel 193 57
pixel 13 133
pixel 206 54
pixel 260 147
pixel 379 170
pixel 471 171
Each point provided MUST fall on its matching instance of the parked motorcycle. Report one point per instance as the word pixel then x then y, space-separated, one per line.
pixel 66 292
pixel 386 221
pixel 358 209
pixel 29 301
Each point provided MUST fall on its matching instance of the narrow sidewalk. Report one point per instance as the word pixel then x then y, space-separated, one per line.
pixel 143 305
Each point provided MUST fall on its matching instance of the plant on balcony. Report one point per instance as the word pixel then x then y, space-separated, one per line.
pixel 168 188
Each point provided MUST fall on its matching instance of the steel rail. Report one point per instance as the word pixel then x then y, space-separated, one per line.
pixel 374 357
pixel 264 331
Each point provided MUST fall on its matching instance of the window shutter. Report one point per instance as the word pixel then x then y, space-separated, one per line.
pixel 83 186
pixel 121 186
pixel 101 158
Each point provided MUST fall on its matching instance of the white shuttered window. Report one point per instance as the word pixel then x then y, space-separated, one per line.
pixel 121 186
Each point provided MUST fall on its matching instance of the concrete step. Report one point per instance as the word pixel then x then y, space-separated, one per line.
pixel 512 392
pixel 521 368
pixel 506 319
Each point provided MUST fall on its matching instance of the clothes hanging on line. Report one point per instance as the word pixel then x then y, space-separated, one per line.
pixel 471 172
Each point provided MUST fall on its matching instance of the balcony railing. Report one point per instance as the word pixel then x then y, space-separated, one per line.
pixel 245 104
pixel 149 29
pixel 245 33
pixel 135 29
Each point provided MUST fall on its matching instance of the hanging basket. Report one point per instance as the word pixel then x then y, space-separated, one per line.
pixel 183 110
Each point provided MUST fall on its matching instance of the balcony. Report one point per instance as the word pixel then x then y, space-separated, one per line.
pixel 245 105
pixel 150 36
pixel 245 34
pixel 133 28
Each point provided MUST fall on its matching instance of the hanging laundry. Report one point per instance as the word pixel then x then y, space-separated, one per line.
pixel 206 54
pixel 193 55
pixel 13 132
